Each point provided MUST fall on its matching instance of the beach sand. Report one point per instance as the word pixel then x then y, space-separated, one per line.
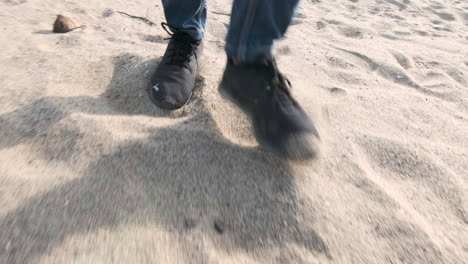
pixel 92 172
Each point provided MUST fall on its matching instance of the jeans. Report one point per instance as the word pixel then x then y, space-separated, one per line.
pixel 254 24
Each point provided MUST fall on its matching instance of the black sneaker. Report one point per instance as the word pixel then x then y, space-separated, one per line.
pixel 279 122
pixel 172 85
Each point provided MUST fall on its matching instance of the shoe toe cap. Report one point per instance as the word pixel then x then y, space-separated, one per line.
pixel 303 146
pixel 290 140
pixel 169 96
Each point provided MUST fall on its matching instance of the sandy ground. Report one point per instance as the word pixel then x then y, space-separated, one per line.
pixel 92 172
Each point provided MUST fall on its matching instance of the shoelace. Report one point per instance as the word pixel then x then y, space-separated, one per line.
pixel 280 83
pixel 180 53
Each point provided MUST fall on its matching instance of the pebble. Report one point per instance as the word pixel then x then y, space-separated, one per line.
pixel 219 226
pixel 64 24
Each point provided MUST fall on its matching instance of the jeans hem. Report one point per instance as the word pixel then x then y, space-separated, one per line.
pixel 195 34
pixel 251 52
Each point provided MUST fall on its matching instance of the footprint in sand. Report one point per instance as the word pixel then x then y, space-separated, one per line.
pixel 407 238
pixel 398 76
pixel 406 165
pixel 387 71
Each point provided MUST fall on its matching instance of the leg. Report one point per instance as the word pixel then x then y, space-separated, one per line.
pixel 254 26
pixel 252 79
pixel 187 15
pixel 172 84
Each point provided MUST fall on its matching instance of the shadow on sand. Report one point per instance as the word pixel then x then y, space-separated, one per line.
pixel 163 179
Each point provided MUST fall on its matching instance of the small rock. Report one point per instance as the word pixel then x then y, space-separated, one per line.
pixel 219 226
pixel 64 24
pixel 107 12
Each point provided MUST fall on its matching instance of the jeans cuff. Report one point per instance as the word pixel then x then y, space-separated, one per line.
pixel 195 34
pixel 249 52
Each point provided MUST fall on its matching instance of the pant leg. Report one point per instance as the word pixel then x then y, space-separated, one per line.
pixel 254 26
pixel 187 15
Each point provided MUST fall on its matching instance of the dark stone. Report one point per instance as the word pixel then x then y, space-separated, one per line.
pixel 64 24
pixel 219 226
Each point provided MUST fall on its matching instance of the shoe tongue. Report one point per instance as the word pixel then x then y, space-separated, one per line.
pixel 184 37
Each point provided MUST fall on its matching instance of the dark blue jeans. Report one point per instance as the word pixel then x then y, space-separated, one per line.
pixel 254 23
